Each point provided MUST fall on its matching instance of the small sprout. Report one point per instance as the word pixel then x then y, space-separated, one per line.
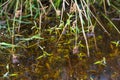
pixel 101 62
pixel 76 50
pixel 37 36
pixel 81 55
pixel 117 43
pixel 45 54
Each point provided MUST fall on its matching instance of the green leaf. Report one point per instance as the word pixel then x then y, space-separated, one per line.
pixel 33 37
pixel 98 62
pixel 116 43
pixel 7 45
pixel 13 75
pixel 101 62
pixel 40 57
pixel 45 54
pixel 57 3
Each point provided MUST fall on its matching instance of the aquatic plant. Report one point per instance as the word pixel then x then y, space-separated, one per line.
pixel 44 39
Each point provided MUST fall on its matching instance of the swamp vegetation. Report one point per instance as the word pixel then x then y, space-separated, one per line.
pixel 59 39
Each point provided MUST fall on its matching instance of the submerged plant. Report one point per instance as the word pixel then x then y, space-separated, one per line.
pixel 48 38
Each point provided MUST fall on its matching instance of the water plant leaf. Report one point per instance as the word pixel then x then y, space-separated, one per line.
pixel 6 45
pixel 41 56
pixel 117 43
pixel 45 54
pixel 81 55
pixel 98 62
pixel 13 75
pixel 101 62
pixel 33 37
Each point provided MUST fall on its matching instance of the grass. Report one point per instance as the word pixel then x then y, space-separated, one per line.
pixel 48 33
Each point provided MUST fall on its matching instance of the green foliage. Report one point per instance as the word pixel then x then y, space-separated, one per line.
pixel 6 45
pixel 45 54
pixel 101 62
pixel 117 43
pixel 37 36
pixel 57 3
pixel 58 47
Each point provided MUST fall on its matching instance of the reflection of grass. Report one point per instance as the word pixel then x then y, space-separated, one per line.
pixel 31 25
pixel 111 23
